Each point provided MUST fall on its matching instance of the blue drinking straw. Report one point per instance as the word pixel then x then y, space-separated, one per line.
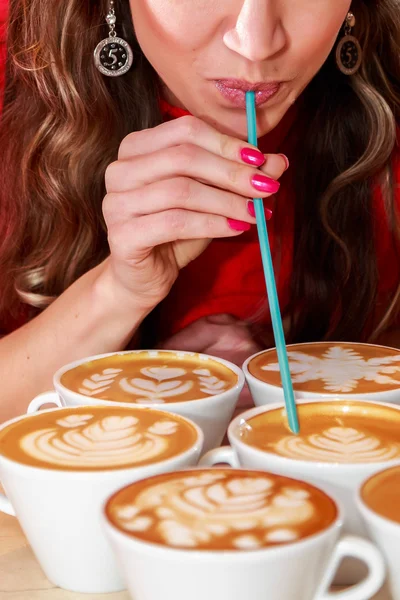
pixel 270 281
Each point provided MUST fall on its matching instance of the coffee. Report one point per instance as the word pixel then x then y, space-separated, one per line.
pixel 333 368
pixel 381 493
pixel 150 377
pixel 220 509
pixel 96 438
pixel 334 432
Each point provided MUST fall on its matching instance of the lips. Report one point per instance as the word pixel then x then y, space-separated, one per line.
pixel 234 90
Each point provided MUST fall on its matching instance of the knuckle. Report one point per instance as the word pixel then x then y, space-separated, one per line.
pixel 108 206
pixel 175 220
pixel 129 143
pixel 111 175
pixel 180 191
pixel 185 155
pixel 225 145
pixel 190 127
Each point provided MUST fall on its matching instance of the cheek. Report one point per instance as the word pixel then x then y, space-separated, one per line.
pixel 313 38
pixel 178 24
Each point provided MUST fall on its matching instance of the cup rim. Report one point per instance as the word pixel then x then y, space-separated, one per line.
pixel 84 474
pixel 170 405
pixel 223 555
pixel 282 460
pixel 367 510
pixel 327 395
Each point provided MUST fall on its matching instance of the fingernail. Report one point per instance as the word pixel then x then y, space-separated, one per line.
pixel 265 184
pixel 285 158
pixel 238 225
pixel 252 157
pixel 252 211
pixel 250 208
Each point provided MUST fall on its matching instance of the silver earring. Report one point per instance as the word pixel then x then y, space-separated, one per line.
pixel 113 56
pixel 349 52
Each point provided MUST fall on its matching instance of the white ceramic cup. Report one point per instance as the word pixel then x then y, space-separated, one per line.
pixel 295 571
pixel 264 393
pixel 386 535
pixel 212 414
pixel 338 480
pixel 60 514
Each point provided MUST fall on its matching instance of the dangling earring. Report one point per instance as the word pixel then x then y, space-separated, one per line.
pixel 348 52
pixel 113 56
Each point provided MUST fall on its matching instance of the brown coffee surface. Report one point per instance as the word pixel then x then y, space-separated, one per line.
pixel 221 509
pixel 150 377
pixel 333 368
pixel 96 438
pixel 334 432
pixel 381 493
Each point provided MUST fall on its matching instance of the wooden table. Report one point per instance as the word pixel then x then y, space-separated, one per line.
pixel 21 578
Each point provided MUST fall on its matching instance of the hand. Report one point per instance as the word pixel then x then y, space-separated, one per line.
pixel 173 189
pixel 222 336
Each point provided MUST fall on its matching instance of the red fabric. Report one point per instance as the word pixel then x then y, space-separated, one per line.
pixel 3 19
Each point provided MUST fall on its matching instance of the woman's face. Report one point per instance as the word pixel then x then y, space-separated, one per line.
pixel 207 52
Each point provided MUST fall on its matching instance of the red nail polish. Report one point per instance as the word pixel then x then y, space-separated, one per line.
pixel 285 158
pixel 252 157
pixel 238 225
pixel 250 208
pixel 265 184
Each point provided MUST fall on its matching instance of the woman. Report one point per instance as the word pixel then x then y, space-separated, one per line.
pixel 76 283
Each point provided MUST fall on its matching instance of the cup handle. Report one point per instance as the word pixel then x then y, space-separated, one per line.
pixel 6 506
pixel 45 398
pixel 354 547
pixel 224 454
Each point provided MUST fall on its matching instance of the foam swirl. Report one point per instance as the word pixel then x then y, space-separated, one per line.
pixel 87 441
pixel 193 511
pixel 339 445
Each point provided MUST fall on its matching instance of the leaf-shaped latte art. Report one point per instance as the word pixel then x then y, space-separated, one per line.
pixel 145 388
pixel 164 427
pixel 162 373
pixel 74 420
pixel 337 444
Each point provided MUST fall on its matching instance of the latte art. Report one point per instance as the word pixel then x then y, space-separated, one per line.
pixel 220 509
pixel 330 368
pixel 330 431
pixel 150 377
pixel 100 438
pixel 337 444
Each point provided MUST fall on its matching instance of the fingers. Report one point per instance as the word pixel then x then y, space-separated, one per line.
pixel 193 131
pixel 193 162
pixel 132 239
pixel 176 193
pixel 186 130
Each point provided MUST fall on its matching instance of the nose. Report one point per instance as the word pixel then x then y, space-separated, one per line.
pixel 258 32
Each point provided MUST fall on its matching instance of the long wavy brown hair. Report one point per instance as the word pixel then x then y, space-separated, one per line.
pixel 63 121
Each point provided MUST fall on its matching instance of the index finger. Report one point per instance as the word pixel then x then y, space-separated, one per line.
pixel 184 130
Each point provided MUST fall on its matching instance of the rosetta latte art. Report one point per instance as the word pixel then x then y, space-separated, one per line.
pixel 86 441
pixel 194 511
pixel 337 444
